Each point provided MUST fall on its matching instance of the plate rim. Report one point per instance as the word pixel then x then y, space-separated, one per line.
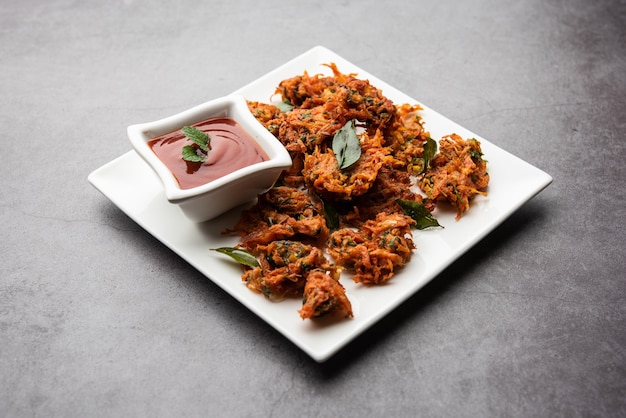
pixel 97 178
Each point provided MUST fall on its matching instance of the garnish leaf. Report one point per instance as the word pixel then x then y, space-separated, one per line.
pixel 476 155
pixel 239 255
pixel 285 106
pixel 346 145
pixel 475 152
pixel 430 149
pixel 418 212
pixel 201 139
pixel 331 216
pixel 190 154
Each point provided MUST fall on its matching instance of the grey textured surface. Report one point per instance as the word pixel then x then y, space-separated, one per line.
pixel 97 318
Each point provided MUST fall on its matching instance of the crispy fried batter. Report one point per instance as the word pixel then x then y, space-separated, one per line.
pixel 391 184
pixel 281 213
pixel 305 129
pixel 457 173
pixel 323 105
pixel 264 112
pixel 406 137
pixel 284 266
pixel 324 295
pixel 344 96
pixel 322 174
pixel 375 250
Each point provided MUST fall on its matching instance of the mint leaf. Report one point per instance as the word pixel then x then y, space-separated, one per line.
pixel 239 255
pixel 346 145
pixel 418 212
pixel 190 154
pixel 201 139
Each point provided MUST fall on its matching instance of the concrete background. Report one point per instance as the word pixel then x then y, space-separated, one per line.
pixel 98 319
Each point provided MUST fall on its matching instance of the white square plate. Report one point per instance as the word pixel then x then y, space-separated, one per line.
pixel 131 185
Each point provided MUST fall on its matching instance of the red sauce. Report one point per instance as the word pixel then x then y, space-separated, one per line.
pixel 231 149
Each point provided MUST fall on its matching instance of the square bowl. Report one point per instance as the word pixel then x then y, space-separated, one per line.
pixel 209 200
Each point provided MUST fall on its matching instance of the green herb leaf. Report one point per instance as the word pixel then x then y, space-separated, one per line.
pixel 430 149
pixel 201 139
pixel 331 215
pixel 239 255
pixel 475 154
pixel 346 145
pixel 190 154
pixel 285 106
pixel 418 212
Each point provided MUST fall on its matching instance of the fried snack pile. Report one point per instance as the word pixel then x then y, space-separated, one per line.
pixel 352 212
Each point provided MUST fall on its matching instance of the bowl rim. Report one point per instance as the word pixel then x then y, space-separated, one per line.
pixel 234 106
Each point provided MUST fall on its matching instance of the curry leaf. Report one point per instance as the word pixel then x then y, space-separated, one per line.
pixel 331 216
pixel 239 255
pixel 346 145
pixel 430 149
pixel 418 212
pixel 285 106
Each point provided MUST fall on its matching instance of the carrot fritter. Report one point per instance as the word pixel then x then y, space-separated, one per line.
pixel 293 175
pixel 457 173
pixel 406 136
pixel 307 91
pixel 343 96
pixel 322 174
pixel 281 213
pixel 323 295
pixel 264 112
pixel 375 250
pixel 305 129
pixel 391 184
pixel 323 104
pixel 284 266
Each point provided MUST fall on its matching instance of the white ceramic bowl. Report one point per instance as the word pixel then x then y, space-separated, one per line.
pixel 209 200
